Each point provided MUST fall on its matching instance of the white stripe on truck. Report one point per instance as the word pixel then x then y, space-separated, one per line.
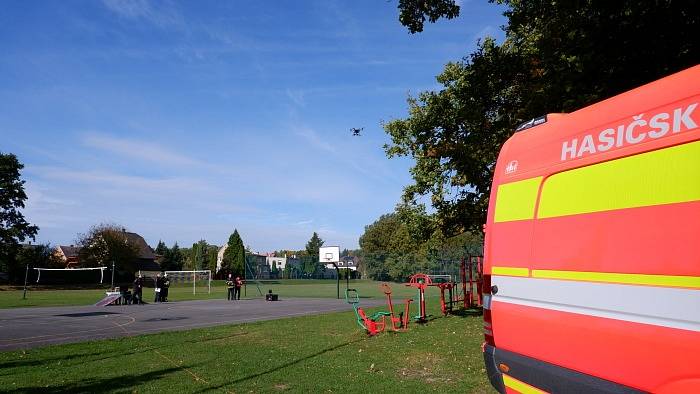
pixel 660 306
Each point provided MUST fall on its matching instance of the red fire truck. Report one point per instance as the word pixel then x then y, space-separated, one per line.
pixel 592 247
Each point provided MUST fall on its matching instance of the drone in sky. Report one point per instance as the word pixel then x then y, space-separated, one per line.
pixel 356 131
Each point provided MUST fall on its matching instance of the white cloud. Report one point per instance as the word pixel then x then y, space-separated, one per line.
pixel 314 139
pixel 139 150
pixel 118 183
pixel 161 14
pixel 297 97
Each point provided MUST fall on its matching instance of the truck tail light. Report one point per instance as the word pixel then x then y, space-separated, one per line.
pixel 488 324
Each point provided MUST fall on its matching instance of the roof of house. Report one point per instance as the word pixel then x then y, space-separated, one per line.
pixel 70 251
pixel 145 251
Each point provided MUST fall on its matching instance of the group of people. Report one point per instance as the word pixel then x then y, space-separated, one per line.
pixel 162 285
pixel 161 290
pixel 234 287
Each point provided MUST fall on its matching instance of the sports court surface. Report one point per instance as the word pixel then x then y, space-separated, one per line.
pixel 24 328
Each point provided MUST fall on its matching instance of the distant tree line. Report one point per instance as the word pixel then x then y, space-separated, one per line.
pixel 408 241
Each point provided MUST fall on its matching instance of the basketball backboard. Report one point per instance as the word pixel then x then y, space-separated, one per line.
pixel 329 255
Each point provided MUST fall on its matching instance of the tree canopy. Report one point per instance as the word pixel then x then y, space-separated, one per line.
pixel 234 256
pixel 105 244
pixel 314 245
pixel 413 13
pixel 311 260
pixel 173 259
pixel 14 229
pixel 556 57
pixel 391 250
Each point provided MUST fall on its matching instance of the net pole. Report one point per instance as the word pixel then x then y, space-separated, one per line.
pixel 26 275
pixel 194 282
pixel 209 271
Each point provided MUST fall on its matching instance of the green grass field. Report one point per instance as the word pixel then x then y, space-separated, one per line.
pixel 323 353
pixel 46 296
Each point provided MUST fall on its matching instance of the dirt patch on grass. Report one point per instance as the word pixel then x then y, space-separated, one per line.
pixel 281 387
pixel 425 367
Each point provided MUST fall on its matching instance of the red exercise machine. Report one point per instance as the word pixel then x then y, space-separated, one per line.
pixel 421 282
pixel 397 323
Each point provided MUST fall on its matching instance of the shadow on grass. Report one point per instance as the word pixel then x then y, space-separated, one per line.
pixel 285 365
pixel 29 362
pixel 91 385
pixel 199 341
pixel 467 312
pixel 4 367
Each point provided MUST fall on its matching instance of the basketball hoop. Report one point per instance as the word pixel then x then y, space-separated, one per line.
pixel 330 255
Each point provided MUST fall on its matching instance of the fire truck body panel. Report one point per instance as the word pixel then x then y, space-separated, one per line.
pixel 592 247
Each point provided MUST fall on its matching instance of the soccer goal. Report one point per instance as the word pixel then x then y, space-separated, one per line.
pixel 197 278
pixel 70 275
pixel 442 278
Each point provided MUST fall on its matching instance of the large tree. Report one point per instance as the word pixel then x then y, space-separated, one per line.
pixel 212 257
pixel 311 263
pixel 557 57
pixel 234 255
pixel 162 255
pixel 314 245
pixel 105 244
pixel 14 229
pixel 389 251
pixel 173 259
pixel 161 249
pixel 198 259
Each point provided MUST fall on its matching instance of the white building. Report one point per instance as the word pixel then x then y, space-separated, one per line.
pixel 220 257
pixel 280 262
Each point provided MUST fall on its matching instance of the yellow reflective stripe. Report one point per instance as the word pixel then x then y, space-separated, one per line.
pixel 665 176
pixel 519 386
pixel 510 271
pixel 516 200
pixel 629 279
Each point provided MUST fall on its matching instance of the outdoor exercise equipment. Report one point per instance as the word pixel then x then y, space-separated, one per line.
pixel 421 282
pixel 471 274
pixel 446 306
pixel 399 323
pixel 375 323
pixel 475 266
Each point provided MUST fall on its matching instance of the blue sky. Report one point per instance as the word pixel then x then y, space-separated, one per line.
pixel 184 120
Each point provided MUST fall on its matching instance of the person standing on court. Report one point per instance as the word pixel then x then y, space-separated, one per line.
pixel 237 291
pixel 231 288
pixel 138 289
pixel 158 289
pixel 164 288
